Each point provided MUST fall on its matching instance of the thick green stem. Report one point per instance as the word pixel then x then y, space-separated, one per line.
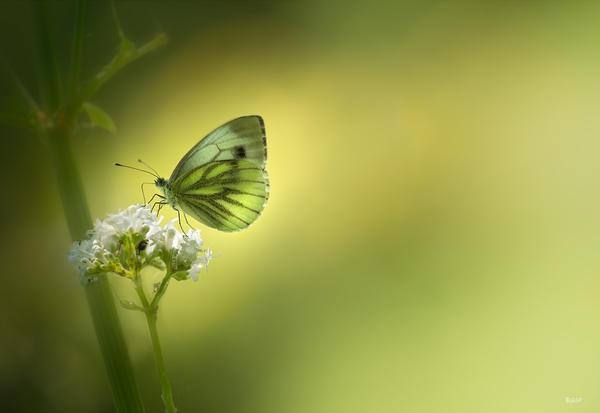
pixel 69 184
pixel 150 312
pixel 114 350
pixel 100 299
pixel 56 122
pixel 58 136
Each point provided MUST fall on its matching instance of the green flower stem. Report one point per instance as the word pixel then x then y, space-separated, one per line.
pixel 161 290
pixel 167 395
pixel 150 311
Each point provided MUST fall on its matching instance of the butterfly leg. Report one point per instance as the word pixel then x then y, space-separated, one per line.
pixel 185 216
pixel 155 195
pixel 160 204
pixel 179 219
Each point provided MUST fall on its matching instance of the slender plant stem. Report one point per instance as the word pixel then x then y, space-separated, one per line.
pixel 127 54
pixel 116 17
pixel 150 312
pixel 161 289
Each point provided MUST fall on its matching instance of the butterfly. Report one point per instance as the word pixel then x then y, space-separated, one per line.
pixel 222 181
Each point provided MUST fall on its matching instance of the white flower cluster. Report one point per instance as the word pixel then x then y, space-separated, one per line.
pixel 132 239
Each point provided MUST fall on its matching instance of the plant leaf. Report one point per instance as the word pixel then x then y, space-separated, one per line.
pixel 127 54
pixel 99 118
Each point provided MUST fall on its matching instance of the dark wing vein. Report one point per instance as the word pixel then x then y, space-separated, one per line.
pixel 228 195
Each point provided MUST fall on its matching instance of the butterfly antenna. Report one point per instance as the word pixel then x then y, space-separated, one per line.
pixel 142 162
pixel 137 169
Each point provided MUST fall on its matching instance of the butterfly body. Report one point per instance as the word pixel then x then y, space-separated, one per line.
pixel 222 181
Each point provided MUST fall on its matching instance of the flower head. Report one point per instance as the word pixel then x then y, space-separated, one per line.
pixel 132 239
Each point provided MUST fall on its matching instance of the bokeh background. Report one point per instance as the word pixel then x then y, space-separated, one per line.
pixel 432 241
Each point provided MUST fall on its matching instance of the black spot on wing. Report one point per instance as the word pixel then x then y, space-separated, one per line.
pixel 239 152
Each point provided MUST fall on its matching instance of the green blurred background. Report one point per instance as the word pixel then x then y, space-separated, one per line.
pixel 432 238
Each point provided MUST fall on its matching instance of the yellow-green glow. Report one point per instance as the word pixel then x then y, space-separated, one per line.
pixel 431 239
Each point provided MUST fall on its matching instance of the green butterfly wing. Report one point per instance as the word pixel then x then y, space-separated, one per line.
pixel 228 195
pixel 240 139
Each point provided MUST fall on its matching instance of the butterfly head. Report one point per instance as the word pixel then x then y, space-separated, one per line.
pixel 160 182
pixel 163 187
